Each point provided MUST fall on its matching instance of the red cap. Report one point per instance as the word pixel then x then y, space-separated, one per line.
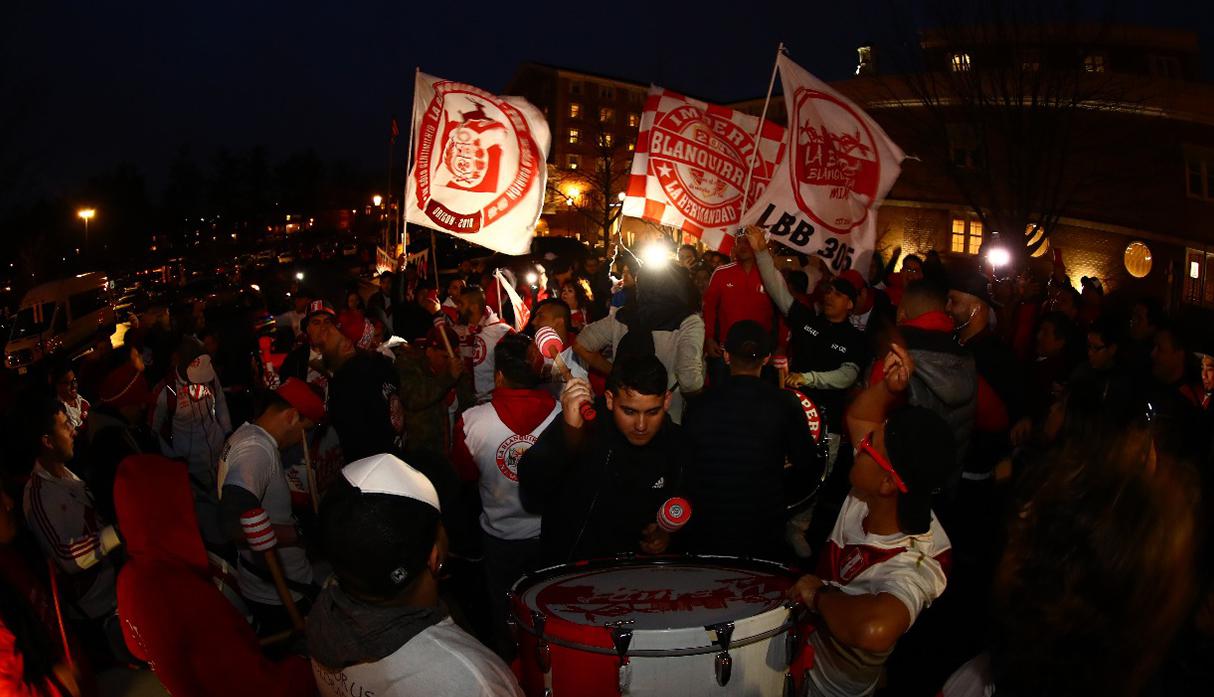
pixel 125 386
pixel 306 402
pixel 854 279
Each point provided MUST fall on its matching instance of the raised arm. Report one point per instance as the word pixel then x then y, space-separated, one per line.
pixel 773 280
pixel 868 409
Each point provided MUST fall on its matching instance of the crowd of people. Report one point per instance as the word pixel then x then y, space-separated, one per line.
pixel 986 485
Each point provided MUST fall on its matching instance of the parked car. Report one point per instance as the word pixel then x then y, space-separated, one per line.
pixel 286 257
pixel 349 249
pixel 59 317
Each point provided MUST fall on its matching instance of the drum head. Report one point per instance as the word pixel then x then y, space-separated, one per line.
pixel 674 595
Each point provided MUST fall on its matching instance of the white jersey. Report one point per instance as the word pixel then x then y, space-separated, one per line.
pixel 441 660
pixel 909 567
pixel 476 346
pixel 251 461
pixel 496 450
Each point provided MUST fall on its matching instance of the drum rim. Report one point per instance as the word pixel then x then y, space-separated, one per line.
pixel 527 581
pixel 784 628
pixel 531 577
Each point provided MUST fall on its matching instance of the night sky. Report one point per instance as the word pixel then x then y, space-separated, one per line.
pixel 93 84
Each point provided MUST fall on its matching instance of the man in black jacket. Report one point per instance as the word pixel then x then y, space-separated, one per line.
pixel 740 435
pixel 599 484
pixel 363 404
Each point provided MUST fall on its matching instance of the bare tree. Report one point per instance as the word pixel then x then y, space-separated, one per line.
pixel 597 186
pixel 1010 103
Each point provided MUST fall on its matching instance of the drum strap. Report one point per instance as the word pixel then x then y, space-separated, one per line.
pixel 590 511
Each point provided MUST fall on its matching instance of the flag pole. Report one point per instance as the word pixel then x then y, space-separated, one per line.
pixel 390 222
pixel 400 215
pixel 750 170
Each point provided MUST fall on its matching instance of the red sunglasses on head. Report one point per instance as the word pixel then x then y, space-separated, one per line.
pixel 866 446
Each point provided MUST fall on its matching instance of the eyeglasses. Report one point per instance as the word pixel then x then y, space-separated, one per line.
pixel 70 383
pixel 866 446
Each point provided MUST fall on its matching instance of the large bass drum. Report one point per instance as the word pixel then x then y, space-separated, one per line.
pixel 802 487
pixel 668 626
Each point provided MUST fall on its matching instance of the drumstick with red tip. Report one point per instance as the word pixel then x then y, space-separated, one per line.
pixel 259 533
pixel 549 343
pixel 674 514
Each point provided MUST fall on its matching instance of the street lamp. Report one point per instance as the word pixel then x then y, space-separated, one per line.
pixel 86 214
pixel 376 200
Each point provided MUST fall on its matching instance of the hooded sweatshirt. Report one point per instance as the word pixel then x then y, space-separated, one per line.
pixel 490 440
pixel 172 614
pixel 945 379
pixel 374 650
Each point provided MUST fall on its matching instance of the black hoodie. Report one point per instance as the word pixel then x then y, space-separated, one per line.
pixel 597 497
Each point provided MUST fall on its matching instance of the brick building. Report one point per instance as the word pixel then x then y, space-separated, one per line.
pixel 594 121
pixel 1149 229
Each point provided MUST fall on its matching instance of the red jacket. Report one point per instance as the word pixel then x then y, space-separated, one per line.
pixel 172 615
pixel 734 295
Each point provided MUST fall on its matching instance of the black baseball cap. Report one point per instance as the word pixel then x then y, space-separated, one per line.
pixel 320 307
pixel 972 283
pixel 923 452
pixel 748 339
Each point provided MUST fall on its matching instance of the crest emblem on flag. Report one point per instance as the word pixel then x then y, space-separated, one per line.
pixel 479 166
pixel 472 151
pixel 836 171
pixel 823 196
pixel 689 170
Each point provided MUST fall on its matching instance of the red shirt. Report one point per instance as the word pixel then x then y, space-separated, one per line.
pixel 732 295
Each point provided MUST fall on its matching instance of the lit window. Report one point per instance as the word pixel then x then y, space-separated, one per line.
pixel 631 146
pixel 966 236
pixel 958 245
pixel 606 115
pixel 573 161
pixel 574 136
pixel 575 110
pixel 634 120
pixel 606 92
pixel 608 140
pixel 1035 233
pixel 960 62
pixel 864 64
pixel 1094 63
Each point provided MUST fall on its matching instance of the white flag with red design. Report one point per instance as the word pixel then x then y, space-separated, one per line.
pixel 478 169
pixel 823 197
pixel 522 315
pixel 690 166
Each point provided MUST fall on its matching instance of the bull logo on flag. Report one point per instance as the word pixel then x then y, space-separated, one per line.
pixel 836 169
pixel 472 152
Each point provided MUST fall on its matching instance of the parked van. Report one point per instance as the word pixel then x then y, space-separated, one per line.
pixel 58 318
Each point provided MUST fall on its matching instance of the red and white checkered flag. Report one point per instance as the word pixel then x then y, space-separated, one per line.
pixel 691 162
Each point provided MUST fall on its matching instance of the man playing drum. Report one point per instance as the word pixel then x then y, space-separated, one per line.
pixel 887 557
pixel 599 484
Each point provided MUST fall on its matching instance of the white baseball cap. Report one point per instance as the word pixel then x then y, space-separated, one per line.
pixel 388 474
